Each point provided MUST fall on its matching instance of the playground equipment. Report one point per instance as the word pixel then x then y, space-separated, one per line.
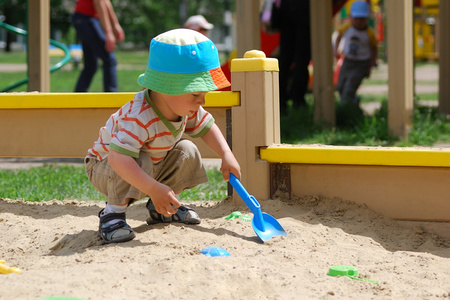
pixel 66 57
pixel 426 25
pixel 402 183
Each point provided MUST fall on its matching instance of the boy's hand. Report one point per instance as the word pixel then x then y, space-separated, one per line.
pixel 230 165
pixel 164 199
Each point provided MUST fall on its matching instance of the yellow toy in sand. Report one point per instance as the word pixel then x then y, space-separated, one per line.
pixel 6 270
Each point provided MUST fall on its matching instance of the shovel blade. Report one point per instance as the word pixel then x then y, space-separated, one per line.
pixel 271 228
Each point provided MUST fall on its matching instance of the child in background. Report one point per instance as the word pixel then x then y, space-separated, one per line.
pixel 360 52
pixel 140 151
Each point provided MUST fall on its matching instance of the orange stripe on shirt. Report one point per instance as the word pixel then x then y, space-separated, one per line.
pixel 151 122
pixel 160 135
pixel 144 106
pixel 199 124
pixel 132 135
pixel 97 154
pixel 136 120
pixel 193 116
pixel 103 145
pixel 158 148
pixel 157 158
pixel 131 106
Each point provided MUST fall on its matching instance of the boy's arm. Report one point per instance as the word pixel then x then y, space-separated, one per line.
pixel 336 46
pixel 214 139
pixel 163 197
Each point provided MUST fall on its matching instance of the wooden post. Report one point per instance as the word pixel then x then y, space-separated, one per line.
pixel 256 122
pixel 444 57
pixel 38 41
pixel 400 60
pixel 248 23
pixel 322 56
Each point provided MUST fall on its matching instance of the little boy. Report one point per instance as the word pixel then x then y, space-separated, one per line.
pixel 360 51
pixel 140 151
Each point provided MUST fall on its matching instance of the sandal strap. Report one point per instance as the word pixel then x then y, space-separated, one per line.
pixel 111 216
pixel 106 232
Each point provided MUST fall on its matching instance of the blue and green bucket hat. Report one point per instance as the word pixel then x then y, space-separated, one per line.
pixel 183 61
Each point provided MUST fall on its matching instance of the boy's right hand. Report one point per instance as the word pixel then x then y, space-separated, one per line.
pixel 164 199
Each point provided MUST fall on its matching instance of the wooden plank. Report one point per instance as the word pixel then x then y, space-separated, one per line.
pixel 400 56
pixel 404 193
pixel 247 17
pixel 66 125
pixel 444 57
pixel 322 57
pixel 38 41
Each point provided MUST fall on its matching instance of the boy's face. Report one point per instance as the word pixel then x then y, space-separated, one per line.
pixel 359 23
pixel 186 104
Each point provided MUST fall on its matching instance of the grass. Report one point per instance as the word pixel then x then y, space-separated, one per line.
pixel 47 183
pixel 138 58
pixel 356 129
pixel 64 80
pixel 51 182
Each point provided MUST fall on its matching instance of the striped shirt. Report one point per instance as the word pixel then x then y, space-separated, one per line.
pixel 139 126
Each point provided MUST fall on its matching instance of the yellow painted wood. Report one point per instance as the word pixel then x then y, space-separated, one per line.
pixel 96 100
pixel 64 100
pixel 357 156
pixel 222 99
pixel 254 64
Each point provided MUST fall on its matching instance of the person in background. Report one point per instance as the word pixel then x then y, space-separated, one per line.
pixel 140 151
pixel 293 21
pixel 99 30
pixel 359 51
pixel 199 24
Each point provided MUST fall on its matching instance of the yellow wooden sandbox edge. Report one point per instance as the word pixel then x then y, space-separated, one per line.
pixel 357 156
pixel 96 100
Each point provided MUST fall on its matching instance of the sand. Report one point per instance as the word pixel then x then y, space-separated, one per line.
pixel 55 245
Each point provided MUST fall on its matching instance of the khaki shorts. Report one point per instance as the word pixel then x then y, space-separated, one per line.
pixel 181 169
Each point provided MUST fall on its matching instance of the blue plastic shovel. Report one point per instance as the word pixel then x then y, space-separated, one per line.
pixel 264 225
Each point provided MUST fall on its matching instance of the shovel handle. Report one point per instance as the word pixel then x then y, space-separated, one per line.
pixel 249 200
pixel 237 185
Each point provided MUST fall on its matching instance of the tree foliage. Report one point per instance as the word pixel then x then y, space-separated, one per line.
pixel 140 19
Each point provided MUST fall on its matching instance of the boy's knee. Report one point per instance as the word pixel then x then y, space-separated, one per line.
pixel 188 148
